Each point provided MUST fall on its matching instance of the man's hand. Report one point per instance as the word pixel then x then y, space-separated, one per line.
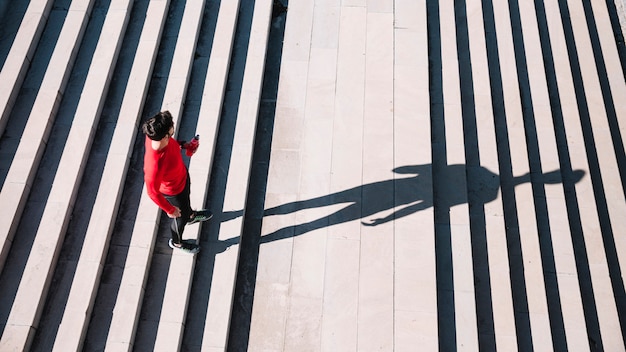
pixel 175 214
pixel 191 146
pixel 373 222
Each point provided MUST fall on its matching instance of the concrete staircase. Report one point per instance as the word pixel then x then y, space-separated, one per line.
pixel 29 323
pixel 443 174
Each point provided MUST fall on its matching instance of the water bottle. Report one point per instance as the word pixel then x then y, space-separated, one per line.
pixel 192 146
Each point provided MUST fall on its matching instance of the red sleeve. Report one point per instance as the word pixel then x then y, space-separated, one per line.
pixel 152 179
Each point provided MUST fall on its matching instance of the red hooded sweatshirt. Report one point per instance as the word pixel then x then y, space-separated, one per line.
pixel 164 173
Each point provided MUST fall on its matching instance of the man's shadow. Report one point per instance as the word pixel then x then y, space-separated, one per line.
pixel 403 196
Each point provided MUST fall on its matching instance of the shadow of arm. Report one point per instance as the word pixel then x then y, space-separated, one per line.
pixel 408 210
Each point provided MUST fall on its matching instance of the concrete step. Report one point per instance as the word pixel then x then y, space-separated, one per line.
pixel 376 315
pixel 415 261
pixel 21 54
pixel 300 158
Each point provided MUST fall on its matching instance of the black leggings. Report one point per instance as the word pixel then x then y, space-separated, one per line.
pixel 181 201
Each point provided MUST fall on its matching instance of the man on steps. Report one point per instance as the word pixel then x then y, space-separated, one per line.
pixel 167 179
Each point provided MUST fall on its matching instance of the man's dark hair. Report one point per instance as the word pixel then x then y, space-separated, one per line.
pixel 158 126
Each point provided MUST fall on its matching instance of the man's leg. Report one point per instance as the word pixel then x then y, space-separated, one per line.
pixel 181 201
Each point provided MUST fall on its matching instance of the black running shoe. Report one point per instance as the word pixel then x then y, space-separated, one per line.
pixel 186 246
pixel 200 216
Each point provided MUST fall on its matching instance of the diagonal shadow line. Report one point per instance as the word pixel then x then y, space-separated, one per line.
pixel 571 200
pixel 617 33
pixel 608 236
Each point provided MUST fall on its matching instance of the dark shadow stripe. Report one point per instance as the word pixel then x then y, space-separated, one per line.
pixel 507 183
pixel 617 33
pixel 573 209
pixel 446 323
pixel 241 314
pixel 480 258
pixel 11 19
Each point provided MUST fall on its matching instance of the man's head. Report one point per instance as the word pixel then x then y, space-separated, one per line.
pixel 159 126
